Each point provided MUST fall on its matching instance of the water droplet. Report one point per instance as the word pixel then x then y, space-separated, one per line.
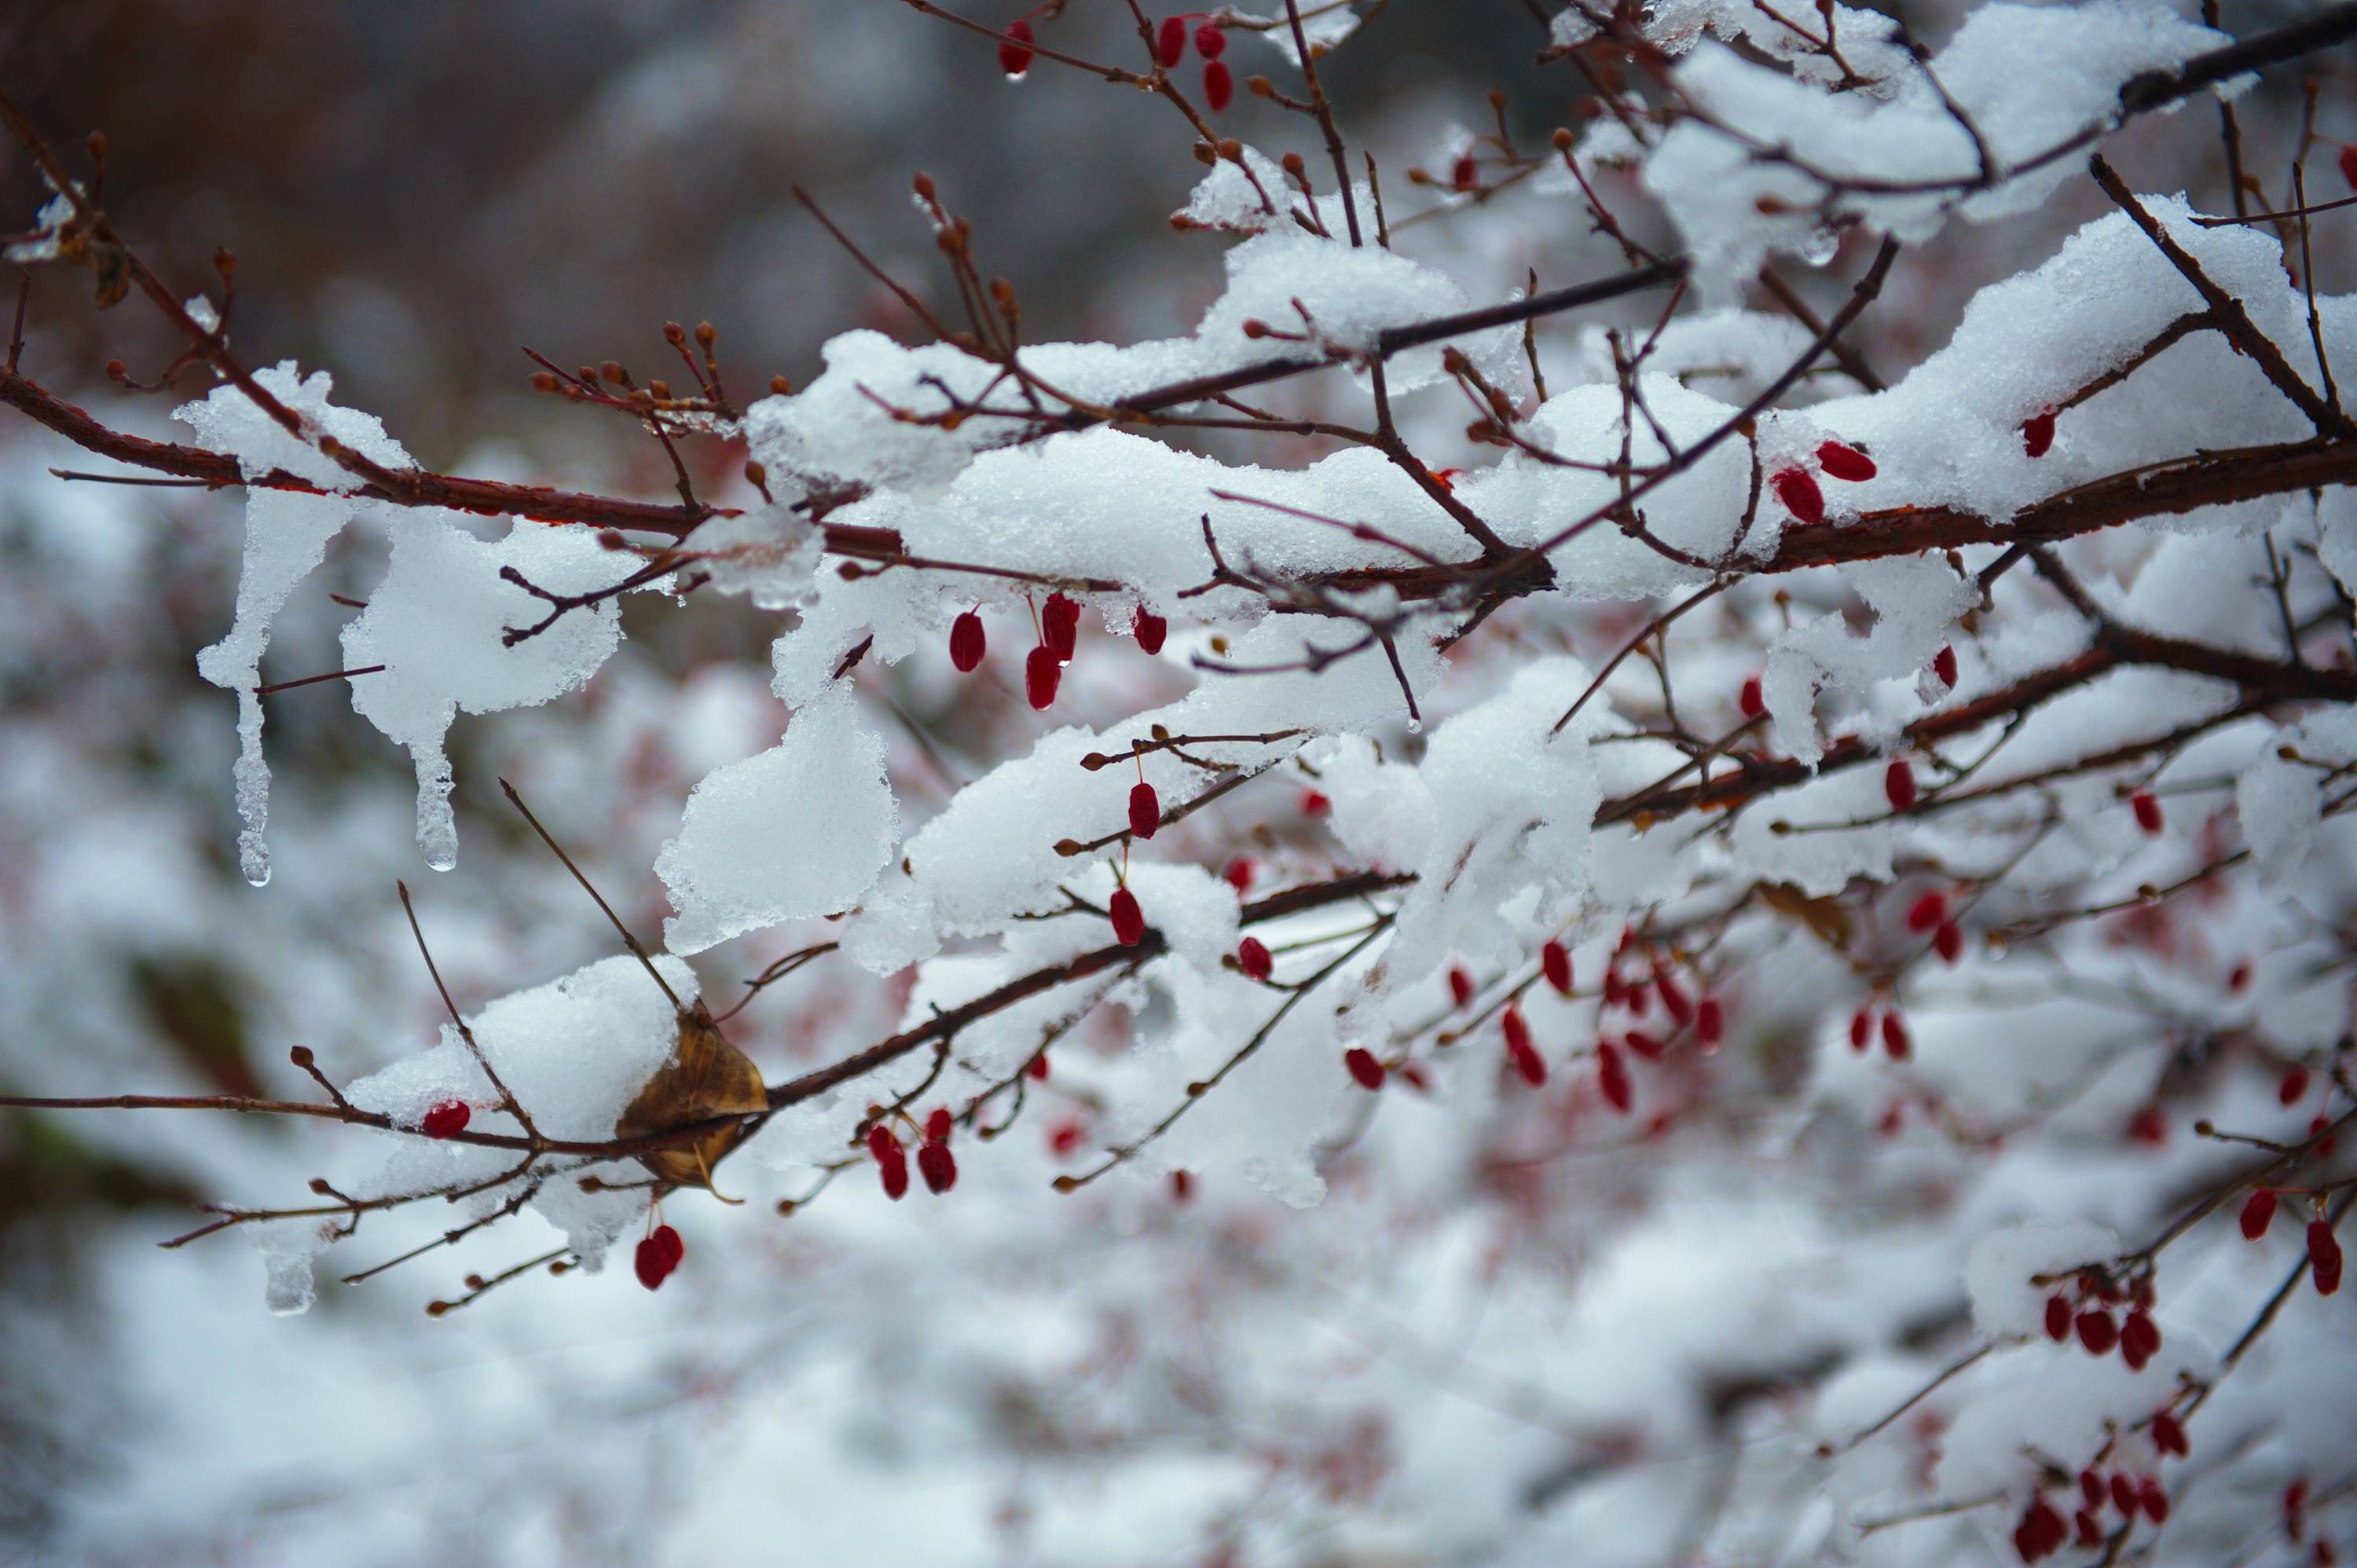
pixel 1415 726
pixel 442 859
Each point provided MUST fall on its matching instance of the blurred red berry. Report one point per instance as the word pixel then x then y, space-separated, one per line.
pixel 1555 963
pixel 1128 919
pixel 1151 629
pixel 1014 55
pixel 1219 87
pixel 967 642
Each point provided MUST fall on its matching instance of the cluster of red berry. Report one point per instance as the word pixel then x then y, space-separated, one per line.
pixel 2098 1296
pixel 1929 915
pixel 1060 633
pixel 1797 488
pixel 934 1161
pixel 2042 1531
pixel 1896 1043
pixel 1170 48
pixel 657 1256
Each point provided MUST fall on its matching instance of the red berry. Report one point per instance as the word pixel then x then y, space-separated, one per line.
pixel 2288 1092
pixel 2038 433
pixel 938 1166
pixel 447 1119
pixel 1555 963
pixel 1151 629
pixel 1145 809
pixel 938 1125
pixel 1798 491
pixel 1710 1023
pixel 1753 699
pixel 1899 785
pixel 1527 1062
pixel 2238 979
pixel 2258 1214
pixel 1014 54
pixel 1218 85
pixel 1943 665
pixel 1612 1077
pixel 1644 1045
pixel 1926 912
pixel 1251 957
pixel 1182 1187
pixel 2097 1332
pixel 2349 165
pixel 1316 803
pixel 2091 1487
pixel 2091 1533
pixel 1517 1029
pixel 1210 42
pixel 1861 1029
pixel 2295 1498
pixel 1464 176
pixel 1673 998
pixel 2123 1493
pixel 1059 625
pixel 1040 674
pixel 966 642
pixel 2046 1527
pixel 2139 1340
pixel 1128 919
pixel 2147 809
pixel 2324 1256
pixel 2323 1147
pixel 2169 1434
pixel 668 1239
pixel 1845 462
pixel 2057 1319
pixel 1895 1043
pixel 895 1169
pixel 1365 1070
pixel 1171 43
pixel 2155 1499
pixel 1038 1067
pixel 1460 986
pixel 2150 1125
pixel 1638 998
pixel 1238 874
pixel 881 1144
pixel 1948 941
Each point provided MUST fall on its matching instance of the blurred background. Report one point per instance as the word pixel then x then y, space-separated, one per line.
pixel 414 193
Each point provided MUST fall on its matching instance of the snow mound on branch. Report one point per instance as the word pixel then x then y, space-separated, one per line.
pixel 797 831
pixel 286 534
pixel 883 414
pixel 2029 79
pixel 575 1052
pixel 436 623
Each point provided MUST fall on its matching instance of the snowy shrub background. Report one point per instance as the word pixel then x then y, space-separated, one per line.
pixel 1746 959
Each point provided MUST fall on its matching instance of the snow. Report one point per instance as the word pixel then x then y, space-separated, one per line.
pixel 438 622
pixel 286 535
pixel 800 829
